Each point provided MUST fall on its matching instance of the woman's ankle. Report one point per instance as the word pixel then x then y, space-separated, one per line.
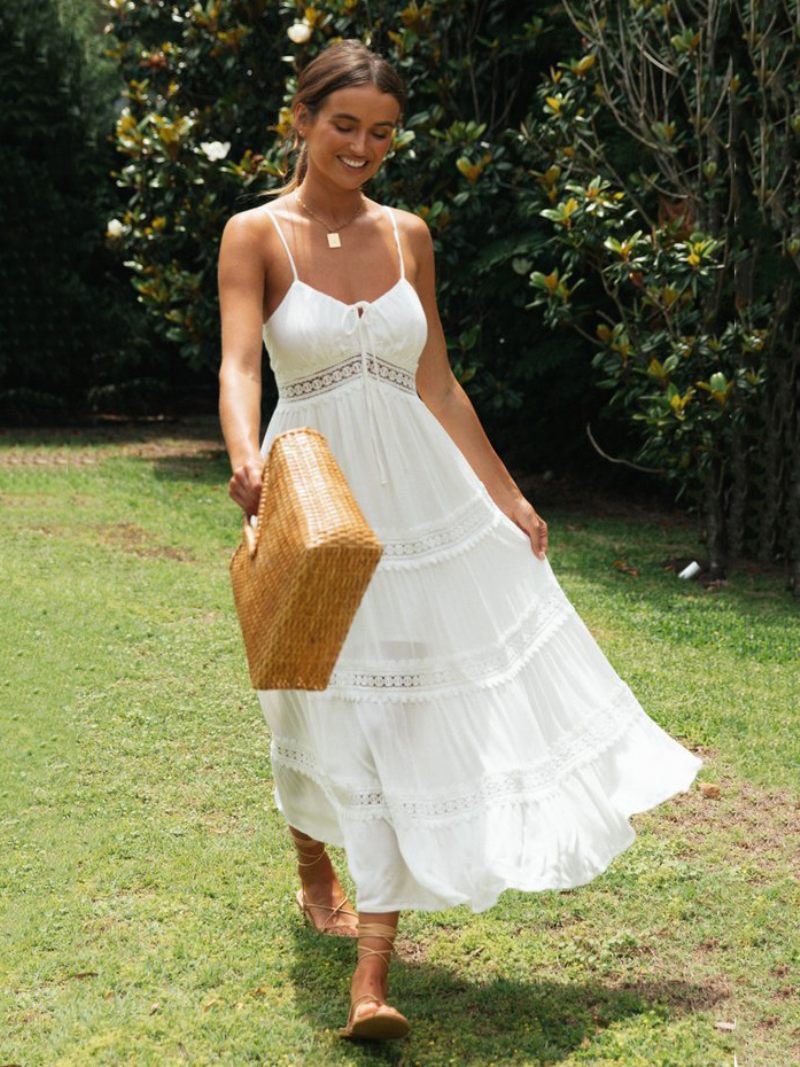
pixel 311 855
pixel 321 875
pixel 369 976
pixel 304 842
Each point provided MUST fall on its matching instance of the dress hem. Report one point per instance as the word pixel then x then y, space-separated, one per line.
pixel 561 887
pixel 600 867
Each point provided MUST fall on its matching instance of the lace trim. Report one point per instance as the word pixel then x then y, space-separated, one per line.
pixel 439 541
pixel 340 373
pixel 467 671
pixel 541 778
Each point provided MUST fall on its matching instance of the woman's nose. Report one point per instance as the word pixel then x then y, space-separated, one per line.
pixel 358 144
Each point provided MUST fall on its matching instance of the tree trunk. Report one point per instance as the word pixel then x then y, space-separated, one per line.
pixel 772 463
pixel 715 519
pixel 794 529
pixel 737 495
pixel 793 494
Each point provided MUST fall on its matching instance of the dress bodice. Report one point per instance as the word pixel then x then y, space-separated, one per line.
pixel 311 332
pixel 317 343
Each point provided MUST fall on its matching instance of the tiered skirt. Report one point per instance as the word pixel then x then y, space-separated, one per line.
pixel 473 736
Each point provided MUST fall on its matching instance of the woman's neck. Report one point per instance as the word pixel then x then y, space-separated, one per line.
pixel 337 205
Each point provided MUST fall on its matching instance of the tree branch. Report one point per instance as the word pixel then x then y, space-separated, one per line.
pixel 624 462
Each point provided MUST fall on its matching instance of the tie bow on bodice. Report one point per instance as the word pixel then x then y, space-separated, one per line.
pixel 356 322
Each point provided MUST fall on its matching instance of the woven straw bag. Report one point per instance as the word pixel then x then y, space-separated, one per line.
pixel 299 576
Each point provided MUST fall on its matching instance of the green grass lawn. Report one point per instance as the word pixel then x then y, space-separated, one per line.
pixel 147 880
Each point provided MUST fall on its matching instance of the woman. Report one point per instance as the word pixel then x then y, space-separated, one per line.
pixel 473 737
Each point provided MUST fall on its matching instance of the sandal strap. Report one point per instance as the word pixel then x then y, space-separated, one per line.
pixel 365 996
pixel 310 863
pixel 384 953
pixel 358 1000
pixel 299 845
pixel 368 996
pixel 339 909
pixel 381 931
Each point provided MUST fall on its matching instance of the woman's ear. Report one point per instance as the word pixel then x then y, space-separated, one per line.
pixel 300 121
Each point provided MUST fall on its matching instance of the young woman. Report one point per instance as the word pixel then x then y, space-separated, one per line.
pixel 473 736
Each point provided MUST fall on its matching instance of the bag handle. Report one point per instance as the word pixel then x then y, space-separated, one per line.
pixel 249 537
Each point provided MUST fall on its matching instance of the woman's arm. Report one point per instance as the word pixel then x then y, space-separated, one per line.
pixel 441 392
pixel 240 276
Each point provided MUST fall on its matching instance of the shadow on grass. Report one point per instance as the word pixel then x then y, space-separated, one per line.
pixel 471 1022
pixel 175 450
pixel 102 431
pixel 206 467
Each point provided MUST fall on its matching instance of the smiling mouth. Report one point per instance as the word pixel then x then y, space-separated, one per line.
pixel 352 165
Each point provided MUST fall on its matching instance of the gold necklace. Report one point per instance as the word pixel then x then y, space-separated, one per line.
pixel 334 241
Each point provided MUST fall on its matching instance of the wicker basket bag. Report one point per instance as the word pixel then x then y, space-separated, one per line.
pixel 299 576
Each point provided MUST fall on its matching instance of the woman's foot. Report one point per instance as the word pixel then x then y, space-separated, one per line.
pixel 321 898
pixel 370 1016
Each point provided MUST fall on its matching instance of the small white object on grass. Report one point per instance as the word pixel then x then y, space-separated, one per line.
pixel 690 571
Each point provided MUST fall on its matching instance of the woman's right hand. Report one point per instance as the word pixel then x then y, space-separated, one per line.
pixel 244 486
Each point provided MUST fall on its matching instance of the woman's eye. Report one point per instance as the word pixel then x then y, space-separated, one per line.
pixel 349 129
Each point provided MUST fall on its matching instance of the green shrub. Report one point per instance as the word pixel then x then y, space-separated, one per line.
pixel 205 130
pixel 67 329
pixel 668 171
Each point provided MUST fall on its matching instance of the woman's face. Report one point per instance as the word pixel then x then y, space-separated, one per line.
pixel 351 133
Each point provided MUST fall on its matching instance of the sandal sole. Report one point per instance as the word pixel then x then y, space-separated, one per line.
pixel 377 1027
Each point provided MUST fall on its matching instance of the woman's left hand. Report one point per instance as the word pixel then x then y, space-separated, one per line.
pixel 530 522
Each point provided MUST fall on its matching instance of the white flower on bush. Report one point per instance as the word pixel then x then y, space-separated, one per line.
pixel 299 32
pixel 215 150
pixel 114 228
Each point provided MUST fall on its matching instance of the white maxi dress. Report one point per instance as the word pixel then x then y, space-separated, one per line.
pixel 473 736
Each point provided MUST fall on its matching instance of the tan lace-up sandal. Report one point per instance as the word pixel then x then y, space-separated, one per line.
pixel 329 925
pixel 385 1021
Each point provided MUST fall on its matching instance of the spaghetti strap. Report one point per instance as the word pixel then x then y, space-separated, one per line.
pixel 284 241
pixel 397 239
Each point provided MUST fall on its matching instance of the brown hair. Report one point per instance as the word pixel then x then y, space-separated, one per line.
pixel 339 66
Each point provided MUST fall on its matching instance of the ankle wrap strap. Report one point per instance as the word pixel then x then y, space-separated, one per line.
pixel 309 862
pixel 301 845
pixel 380 931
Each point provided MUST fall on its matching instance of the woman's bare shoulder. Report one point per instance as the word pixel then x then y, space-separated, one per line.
pixel 414 229
pixel 412 223
pixel 254 220
pixel 250 231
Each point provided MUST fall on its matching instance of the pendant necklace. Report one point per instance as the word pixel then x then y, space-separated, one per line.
pixel 334 240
